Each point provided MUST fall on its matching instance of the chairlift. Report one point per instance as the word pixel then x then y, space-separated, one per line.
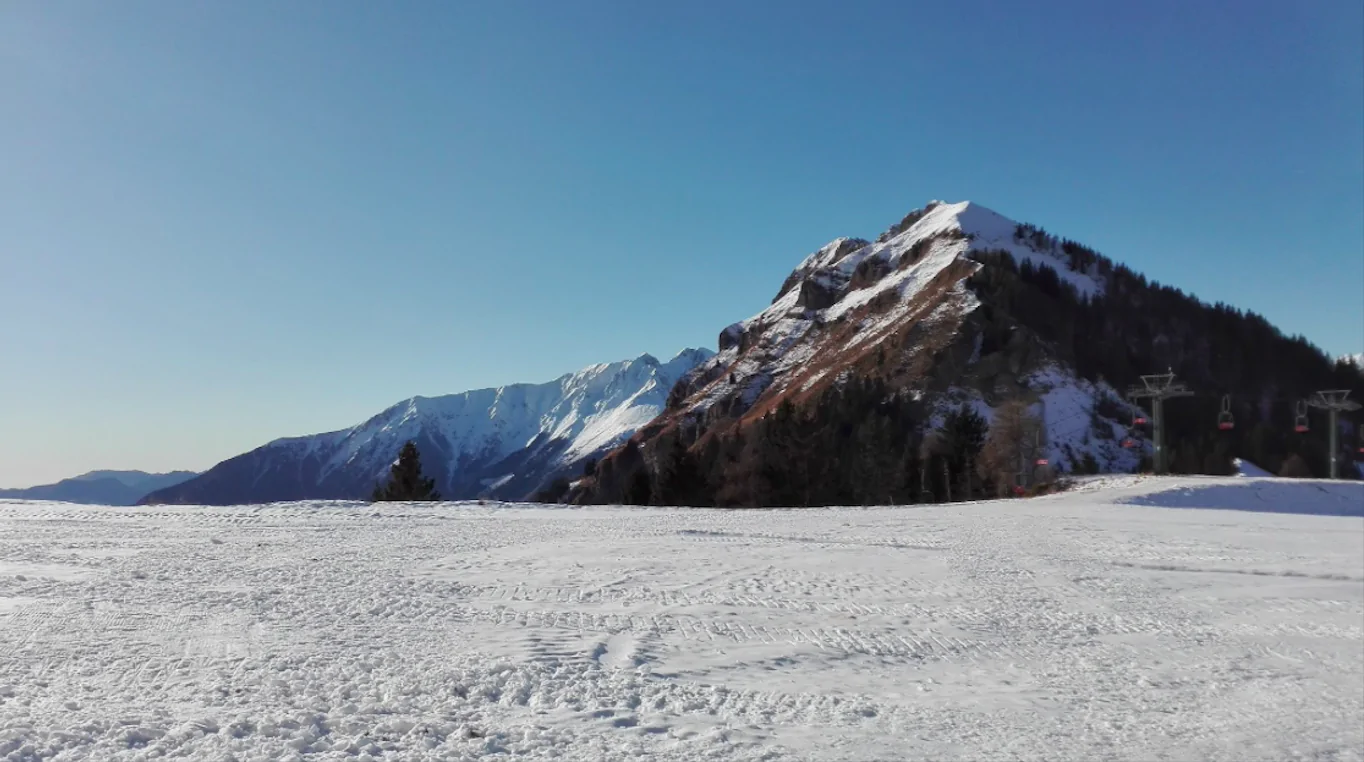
pixel 1133 431
pixel 1129 444
pixel 1042 461
pixel 1224 419
pixel 1300 419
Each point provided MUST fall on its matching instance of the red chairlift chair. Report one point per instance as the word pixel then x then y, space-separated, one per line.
pixel 1224 419
pixel 1300 420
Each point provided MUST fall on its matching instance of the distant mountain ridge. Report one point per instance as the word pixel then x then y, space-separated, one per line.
pixel 101 487
pixel 505 442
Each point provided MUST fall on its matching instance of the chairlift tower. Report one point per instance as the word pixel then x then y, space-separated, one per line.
pixel 1334 401
pixel 1158 388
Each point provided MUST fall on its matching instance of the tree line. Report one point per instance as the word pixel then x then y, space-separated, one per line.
pixel 858 443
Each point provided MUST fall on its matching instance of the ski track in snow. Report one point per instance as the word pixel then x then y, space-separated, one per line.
pixel 1065 627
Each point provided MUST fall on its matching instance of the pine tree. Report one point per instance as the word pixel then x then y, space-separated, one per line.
pixel 874 462
pixel 963 435
pixel 405 482
pixel 680 480
pixel 1088 464
pixel 639 491
pixel 930 450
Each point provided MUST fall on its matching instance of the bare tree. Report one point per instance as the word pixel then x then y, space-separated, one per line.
pixel 1012 447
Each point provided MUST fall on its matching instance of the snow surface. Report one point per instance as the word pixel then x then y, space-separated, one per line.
pixel 1246 468
pixel 1271 495
pixel 1078 626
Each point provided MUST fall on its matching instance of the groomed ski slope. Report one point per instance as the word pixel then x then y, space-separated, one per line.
pixel 1081 626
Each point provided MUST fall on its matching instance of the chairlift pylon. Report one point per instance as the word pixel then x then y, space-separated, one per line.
pixel 1224 420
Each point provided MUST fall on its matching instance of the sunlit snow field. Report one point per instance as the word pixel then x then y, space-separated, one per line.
pixel 1120 621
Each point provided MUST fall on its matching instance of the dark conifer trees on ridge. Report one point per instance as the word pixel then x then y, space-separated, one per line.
pixel 405 481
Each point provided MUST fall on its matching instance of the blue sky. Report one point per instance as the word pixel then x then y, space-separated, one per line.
pixel 221 223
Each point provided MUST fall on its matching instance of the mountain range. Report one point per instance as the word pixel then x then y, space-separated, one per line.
pixel 955 307
pixel 506 442
pixel 101 487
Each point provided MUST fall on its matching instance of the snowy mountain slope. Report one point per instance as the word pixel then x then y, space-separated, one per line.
pixel 1071 410
pixel 101 487
pixel 901 307
pixel 851 296
pixel 502 442
pixel 841 301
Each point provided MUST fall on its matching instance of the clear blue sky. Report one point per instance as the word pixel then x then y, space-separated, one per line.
pixel 221 223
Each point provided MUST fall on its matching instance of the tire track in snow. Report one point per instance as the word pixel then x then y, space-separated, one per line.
pixel 1057 621
pixel 890 641
pixel 1077 576
pixel 701 535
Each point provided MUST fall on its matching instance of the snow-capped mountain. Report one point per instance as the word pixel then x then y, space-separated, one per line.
pixel 101 487
pixel 898 303
pixel 957 305
pixel 504 442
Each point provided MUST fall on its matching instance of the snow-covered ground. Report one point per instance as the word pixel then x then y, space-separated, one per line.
pixel 1246 468
pixel 1080 626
